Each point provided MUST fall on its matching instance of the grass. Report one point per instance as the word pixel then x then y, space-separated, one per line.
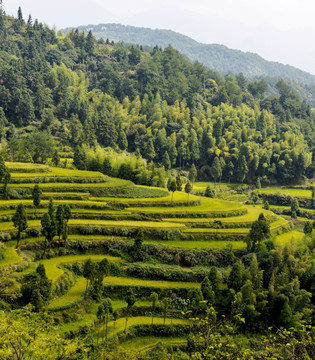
pixel 132 282
pixel 286 238
pixel 54 273
pixel 251 216
pixel 234 231
pixel 141 320
pixel 49 171
pixel 212 244
pixel 75 293
pixel 147 342
pixel 112 182
pixel 202 185
pixel 10 255
pixel 284 191
pixel 179 196
pixel 207 205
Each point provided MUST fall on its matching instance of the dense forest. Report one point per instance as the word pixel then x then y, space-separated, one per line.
pixel 78 91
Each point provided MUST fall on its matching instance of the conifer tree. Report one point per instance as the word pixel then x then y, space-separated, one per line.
pixel 20 221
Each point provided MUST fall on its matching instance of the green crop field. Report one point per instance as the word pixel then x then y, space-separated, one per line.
pixel 10 255
pixel 145 343
pixel 179 196
pixel 207 205
pixel 142 320
pixel 211 244
pixel 49 171
pixel 112 182
pixel 202 185
pixel 51 265
pixel 286 238
pixel 132 282
pixel 287 191
pixel 251 216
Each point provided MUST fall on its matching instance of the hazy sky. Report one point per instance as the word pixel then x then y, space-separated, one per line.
pixel 278 30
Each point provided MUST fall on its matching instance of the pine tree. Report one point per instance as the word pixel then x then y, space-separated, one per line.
pixel 36 194
pixel 20 221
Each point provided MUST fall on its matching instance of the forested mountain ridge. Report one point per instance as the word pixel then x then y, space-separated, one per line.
pixel 214 56
pixel 82 93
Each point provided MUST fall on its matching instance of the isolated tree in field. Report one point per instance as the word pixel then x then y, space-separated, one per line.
pixel 48 222
pixel 209 192
pixel 36 194
pixel 55 158
pixel 130 300
pixel 19 221
pixel 188 188
pixel 266 205
pixel 60 221
pixel 294 208
pixel 67 214
pixel 154 297
pixel 216 170
pixel 172 187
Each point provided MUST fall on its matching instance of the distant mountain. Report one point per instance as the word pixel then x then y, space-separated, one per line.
pixel 214 56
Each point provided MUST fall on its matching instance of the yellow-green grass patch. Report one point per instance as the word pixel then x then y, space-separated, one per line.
pixel 287 191
pixel 234 231
pixel 145 343
pixel 288 237
pixel 132 282
pixel 202 185
pixel 211 244
pixel 251 216
pixel 50 171
pixel 54 273
pixel 207 205
pixel 179 196
pixel 8 226
pixel 10 255
pixel 142 320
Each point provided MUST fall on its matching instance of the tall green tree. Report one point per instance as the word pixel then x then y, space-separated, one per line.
pixel 36 194
pixel 20 221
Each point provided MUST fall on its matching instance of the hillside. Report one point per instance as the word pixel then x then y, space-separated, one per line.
pixel 65 95
pixel 214 56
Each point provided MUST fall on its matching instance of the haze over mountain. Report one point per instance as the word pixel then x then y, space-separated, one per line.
pixel 214 56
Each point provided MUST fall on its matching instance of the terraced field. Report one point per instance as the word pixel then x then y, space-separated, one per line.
pixel 166 219
pixel 287 191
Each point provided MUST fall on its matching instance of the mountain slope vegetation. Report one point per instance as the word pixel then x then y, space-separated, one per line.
pixel 73 93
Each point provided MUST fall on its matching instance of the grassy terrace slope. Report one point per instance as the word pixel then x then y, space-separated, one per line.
pixel 287 191
pixel 207 206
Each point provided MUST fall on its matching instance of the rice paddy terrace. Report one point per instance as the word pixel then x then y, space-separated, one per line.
pixel 106 215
